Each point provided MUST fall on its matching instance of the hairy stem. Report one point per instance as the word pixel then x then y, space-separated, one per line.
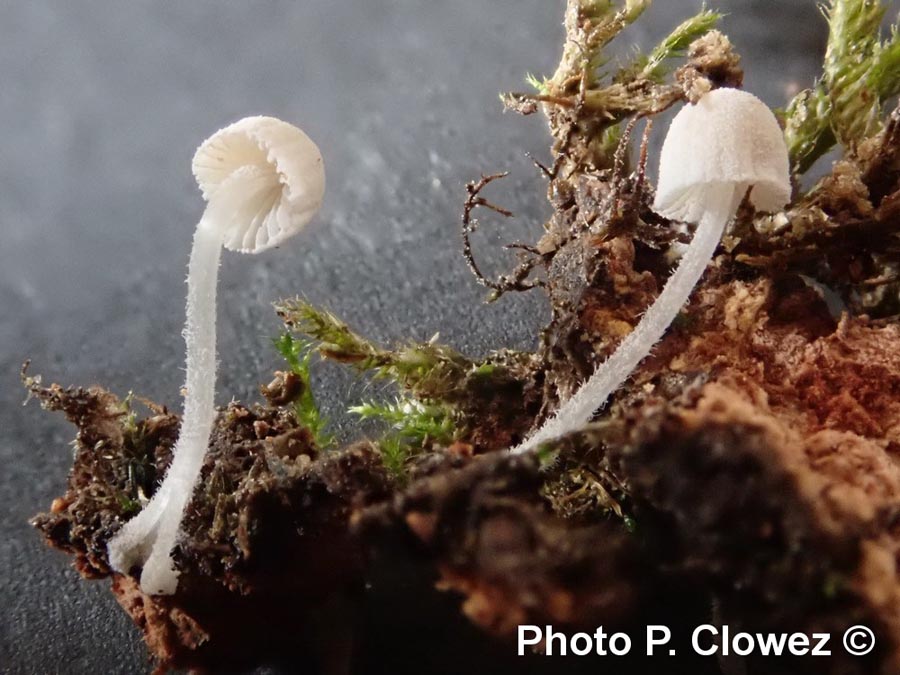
pixel 156 526
pixel 609 376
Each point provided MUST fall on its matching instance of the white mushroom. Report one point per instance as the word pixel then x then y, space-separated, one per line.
pixel 263 180
pixel 716 150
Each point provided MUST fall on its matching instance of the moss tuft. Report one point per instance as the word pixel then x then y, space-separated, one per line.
pixel 860 73
pixel 298 355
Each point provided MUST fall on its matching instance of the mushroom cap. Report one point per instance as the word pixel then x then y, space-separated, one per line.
pixel 729 140
pixel 263 178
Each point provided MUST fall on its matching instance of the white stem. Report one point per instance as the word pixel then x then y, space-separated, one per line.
pixel 578 410
pixel 149 537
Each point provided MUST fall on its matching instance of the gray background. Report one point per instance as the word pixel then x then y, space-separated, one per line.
pixel 101 107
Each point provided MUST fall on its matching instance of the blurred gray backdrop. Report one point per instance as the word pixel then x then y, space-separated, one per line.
pixel 101 107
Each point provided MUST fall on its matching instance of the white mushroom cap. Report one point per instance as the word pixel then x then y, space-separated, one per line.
pixel 729 140
pixel 264 180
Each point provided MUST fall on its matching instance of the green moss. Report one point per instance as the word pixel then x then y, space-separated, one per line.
pixel 601 96
pixel 413 427
pixel 298 355
pixel 419 422
pixel 428 370
pixel 547 455
pixel 540 84
pixel 128 505
pixel 654 66
pixel 395 454
pixel 859 74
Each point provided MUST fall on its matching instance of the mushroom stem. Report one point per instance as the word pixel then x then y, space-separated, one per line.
pixel 721 205
pixel 156 526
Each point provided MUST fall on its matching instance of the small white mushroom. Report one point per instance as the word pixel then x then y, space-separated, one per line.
pixel 729 142
pixel 263 180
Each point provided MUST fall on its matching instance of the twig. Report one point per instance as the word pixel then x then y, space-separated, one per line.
pixel 517 280
pixel 565 143
pixel 620 158
pixel 641 180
